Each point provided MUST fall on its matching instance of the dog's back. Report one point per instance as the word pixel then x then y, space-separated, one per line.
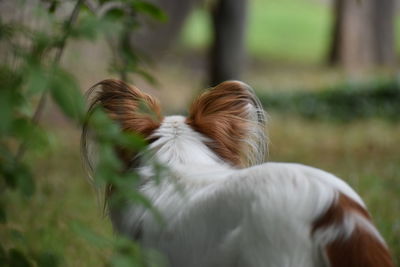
pixel 273 214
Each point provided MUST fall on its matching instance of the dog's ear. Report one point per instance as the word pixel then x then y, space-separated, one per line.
pixel 135 112
pixel 231 116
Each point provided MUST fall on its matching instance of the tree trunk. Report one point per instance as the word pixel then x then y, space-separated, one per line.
pixel 153 38
pixel 228 52
pixel 333 57
pixel 229 22
pixel 384 31
pixel 363 34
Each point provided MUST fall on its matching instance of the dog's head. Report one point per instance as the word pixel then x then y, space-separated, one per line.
pixel 224 124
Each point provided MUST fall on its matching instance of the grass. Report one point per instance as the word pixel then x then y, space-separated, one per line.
pixel 288 30
pixel 364 153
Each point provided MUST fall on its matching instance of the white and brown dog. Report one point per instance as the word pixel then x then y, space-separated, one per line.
pixel 231 209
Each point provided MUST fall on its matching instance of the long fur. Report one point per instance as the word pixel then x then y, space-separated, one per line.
pixel 232 117
pixel 222 207
pixel 133 110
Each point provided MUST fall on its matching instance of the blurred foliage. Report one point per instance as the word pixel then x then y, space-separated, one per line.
pixel 344 102
pixel 30 73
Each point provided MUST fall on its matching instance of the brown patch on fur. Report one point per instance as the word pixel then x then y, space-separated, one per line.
pixel 335 214
pixel 361 248
pixel 221 115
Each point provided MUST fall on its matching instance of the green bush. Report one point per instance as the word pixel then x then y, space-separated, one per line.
pixel 345 102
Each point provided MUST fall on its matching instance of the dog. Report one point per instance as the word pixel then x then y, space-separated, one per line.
pixel 221 205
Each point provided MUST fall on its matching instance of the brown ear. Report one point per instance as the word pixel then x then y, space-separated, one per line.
pixel 232 117
pixel 134 110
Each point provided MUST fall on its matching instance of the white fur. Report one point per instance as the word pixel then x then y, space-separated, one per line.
pixel 219 216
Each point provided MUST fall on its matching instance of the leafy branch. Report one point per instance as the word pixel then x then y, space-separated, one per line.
pixel 32 73
pixel 42 101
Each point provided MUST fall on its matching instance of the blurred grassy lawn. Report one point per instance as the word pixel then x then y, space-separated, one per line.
pixel 292 31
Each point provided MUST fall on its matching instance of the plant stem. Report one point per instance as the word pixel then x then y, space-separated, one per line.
pixel 56 61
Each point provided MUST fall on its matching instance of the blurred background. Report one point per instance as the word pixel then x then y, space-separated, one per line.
pixel 326 72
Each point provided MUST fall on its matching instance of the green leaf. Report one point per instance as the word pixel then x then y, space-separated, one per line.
pixel 3 218
pixel 90 27
pixel 6 111
pixel 115 14
pixel 25 182
pixel 65 92
pixel 120 260
pixel 47 259
pixel 17 236
pixel 147 76
pixel 10 97
pixel 106 130
pixel 7 172
pixel 126 193
pixel 17 258
pixel 132 141
pixel 53 6
pixel 87 27
pixel 6 30
pixel 127 253
pixel 109 164
pixel 38 138
pixel 6 166
pixel 149 9
pixel 94 238
pixel 41 43
pixel 3 256
pixel 17 176
pixel 22 127
pixel 37 79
